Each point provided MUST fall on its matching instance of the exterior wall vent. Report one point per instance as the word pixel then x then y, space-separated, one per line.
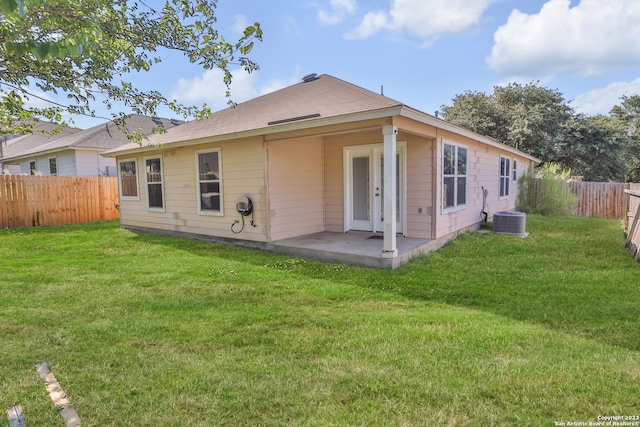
pixel 293 119
pixel 509 222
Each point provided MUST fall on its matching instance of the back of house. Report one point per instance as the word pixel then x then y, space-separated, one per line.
pixel 323 155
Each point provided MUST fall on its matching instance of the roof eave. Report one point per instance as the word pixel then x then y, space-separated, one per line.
pixel 428 119
pixel 396 110
pixel 268 130
pixel 34 154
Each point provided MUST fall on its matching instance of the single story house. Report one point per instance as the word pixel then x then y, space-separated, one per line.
pixel 73 151
pixel 317 158
pixel 12 145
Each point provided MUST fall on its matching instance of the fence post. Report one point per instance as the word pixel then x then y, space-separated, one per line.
pixel 4 202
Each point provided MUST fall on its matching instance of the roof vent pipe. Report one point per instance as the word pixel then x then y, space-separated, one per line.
pixel 310 77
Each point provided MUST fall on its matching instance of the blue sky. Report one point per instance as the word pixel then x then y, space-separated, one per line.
pixel 424 52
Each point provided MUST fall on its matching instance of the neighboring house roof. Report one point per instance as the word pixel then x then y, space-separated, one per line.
pixel 24 143
pixel 102 137
pixel 317 101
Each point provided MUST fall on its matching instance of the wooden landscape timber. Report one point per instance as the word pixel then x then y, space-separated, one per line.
pixel 58 396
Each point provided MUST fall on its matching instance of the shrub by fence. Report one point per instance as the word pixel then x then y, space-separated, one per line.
pixel 56 200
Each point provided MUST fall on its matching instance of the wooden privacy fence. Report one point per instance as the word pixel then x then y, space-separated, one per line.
pixel 632 223
pixel 56 200
pixel 631 204
pixel 601 199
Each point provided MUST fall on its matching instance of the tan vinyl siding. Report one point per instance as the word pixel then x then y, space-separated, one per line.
pixel 483 170
pixel 297 183
pixel 333 186
pixel 334 173
pixel 242 175
pixel 419 189
pixel 295 175
pixel 464 216
pixel 419 186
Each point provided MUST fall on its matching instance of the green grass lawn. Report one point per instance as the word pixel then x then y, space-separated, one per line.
pixel 147 330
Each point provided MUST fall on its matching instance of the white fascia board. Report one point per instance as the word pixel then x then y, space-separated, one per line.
pixel 35 154
pixel 29 156
pixel 443 124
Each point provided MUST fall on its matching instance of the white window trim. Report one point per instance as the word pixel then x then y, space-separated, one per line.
pixel 49 165
pixel 33 171
pixel 456 207
pixel 135 161
pixel 209 212
pixel 164 199
pixel 508 179
pixel 515 170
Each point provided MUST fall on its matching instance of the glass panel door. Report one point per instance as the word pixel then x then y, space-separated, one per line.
pixel 364 188
pixel 361 190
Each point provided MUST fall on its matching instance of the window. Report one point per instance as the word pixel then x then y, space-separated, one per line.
pixel 515 170
pixel 454 191
pixel 209 182
pixel 154 183
pixel 505 177
pixel 53 166
pixel 32 167
pixel 128 174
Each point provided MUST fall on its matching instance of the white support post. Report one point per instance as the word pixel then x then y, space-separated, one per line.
pixel 389 243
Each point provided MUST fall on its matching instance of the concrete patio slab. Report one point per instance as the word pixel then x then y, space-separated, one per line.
pixel 354 247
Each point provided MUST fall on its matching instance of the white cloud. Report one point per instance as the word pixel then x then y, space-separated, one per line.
pixel 587 39
pixel 38 99
pixel 602 100
pixel 349 6
pixel 423 18
pixel 371 24
pixel 277 84
pixel 209 88
pixel 339 11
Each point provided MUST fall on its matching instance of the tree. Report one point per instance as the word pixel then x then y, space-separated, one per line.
pixel 594 147
pixel 475 111
pixel 87 49
pixel 527 117
pixel 627 114
pixel 532 117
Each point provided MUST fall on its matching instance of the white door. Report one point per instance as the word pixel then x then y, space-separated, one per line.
pixel 364 189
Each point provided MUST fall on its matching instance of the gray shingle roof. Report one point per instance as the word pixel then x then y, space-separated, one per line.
pixel 323 97
pixel 102 137
pixel 25 143
pixel 313 101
